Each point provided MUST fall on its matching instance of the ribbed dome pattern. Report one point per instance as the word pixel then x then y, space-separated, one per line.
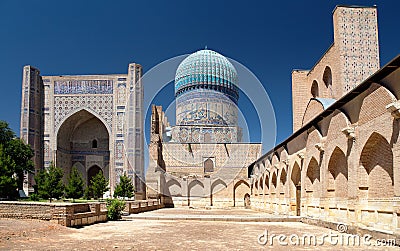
pixel 207 69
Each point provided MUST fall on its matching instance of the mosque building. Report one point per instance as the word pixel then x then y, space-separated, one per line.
pixel 201 160
pixel 341 164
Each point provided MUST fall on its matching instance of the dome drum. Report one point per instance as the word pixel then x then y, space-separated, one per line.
pixel 232 92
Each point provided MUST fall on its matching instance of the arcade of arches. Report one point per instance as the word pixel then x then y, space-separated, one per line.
pixel 342 162
pixel 343 167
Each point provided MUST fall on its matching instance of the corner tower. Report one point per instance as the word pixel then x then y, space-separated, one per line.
pixel 353 56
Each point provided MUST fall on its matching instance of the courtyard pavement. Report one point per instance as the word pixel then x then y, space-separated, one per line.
pixel 176 233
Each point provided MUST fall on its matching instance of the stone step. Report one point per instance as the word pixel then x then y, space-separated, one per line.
pixel 213 218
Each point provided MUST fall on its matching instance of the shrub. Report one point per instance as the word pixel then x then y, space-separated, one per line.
pixel 115 208
pixel 34 197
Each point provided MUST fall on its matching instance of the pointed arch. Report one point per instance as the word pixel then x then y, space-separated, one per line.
pixel 327 77
pixel 208 165
pixel 274 180
pixel 313 177
pixel 196 189
pixel 217 186
pixel 75 139
pixel 283 177
pixel 93 171
pixel 174 188
pixel 376 174
pixel 337 174
pixel 282 180
pixel 295 178
pixel 266 183
pixel 240 189
pixel 75 111
pixel 314 89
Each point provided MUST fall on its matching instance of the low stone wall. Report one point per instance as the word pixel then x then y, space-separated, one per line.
pixel 139 206
pixel 66 214
pixel 70 214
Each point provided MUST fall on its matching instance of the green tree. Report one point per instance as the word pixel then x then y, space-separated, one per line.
pixel 49 183
pixel 6 134
pixel 40 178
pixel 124 188
pixel 87 195
pixel 75 186
pixel 21 154
pixel 8 183
pixel 99 185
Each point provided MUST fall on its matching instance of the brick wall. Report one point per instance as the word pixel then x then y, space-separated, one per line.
pixel 352 57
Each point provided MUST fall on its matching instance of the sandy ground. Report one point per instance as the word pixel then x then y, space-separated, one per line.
pixel 160 235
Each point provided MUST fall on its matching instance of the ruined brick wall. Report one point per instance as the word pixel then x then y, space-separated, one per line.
pixel 352 57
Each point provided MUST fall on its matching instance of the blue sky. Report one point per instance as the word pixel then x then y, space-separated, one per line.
pixel 99 37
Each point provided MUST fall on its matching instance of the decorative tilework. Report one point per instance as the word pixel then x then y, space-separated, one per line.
pixel 119 150
pixel 197 134
pixel 65 105
pixel 359 45
pixel 46 149
pixel 205 108
pixel 83 87
pixel 120 121
pixel 207 69
pixel 121 94
pixel 118 173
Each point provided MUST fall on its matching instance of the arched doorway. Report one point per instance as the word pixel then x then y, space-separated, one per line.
pixel 93 171
pixel 247 203
pixel 296 186
pixel 83 139
pixel 282 185
pixel 240 189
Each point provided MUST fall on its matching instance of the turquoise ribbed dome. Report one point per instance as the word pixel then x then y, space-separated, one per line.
pixel 207 69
